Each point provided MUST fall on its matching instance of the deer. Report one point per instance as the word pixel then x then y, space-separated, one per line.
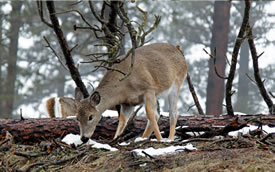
pixel 61 107
pixel 159 71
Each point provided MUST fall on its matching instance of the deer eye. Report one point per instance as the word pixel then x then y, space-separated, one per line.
pixel 90 117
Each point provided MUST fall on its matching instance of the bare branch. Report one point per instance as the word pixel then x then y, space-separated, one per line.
pixel 112 69
pixel 252 80
pixel 215 66
pixel 59 58
pixel 75 3
pixel 272 95
pixel 192 90
pixel 235 54
pixel 65 49
pixel 80 14
pixel 227 60
pixel 101 20
pixel 257 76
pixel 41 14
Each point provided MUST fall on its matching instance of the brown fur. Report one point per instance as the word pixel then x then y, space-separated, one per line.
pixel 68 106
pixel 50 107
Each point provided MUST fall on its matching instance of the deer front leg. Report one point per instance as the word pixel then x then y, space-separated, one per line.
pixel 125 113
pixel 149 128
pixel 152 125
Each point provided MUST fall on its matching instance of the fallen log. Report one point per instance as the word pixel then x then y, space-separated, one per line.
pixel 33 131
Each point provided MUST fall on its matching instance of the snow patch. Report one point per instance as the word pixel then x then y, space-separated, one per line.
pixel 110 113
pixel 179 127
pixel 163 151
pixel 75 139
pixel 164 113
pixel 124 144
pixel 249 128
pixel 139 139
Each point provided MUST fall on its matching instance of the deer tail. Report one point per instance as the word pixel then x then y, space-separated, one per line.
pixel 50 103
pixel 178 47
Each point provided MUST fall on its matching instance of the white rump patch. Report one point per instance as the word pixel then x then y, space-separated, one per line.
pixel 165 93
pixel 57 108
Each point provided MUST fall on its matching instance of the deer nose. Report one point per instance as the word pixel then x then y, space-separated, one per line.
pixel 84 139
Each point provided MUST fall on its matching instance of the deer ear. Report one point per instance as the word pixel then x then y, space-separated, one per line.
pixel 78 94
pixel 95 98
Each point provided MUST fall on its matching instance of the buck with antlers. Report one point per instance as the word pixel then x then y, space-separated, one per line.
pixel 159 71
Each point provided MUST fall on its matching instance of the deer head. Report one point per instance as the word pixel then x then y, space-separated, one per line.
pixel 87 113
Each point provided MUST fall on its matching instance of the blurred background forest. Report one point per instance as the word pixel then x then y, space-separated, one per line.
pixel 30 72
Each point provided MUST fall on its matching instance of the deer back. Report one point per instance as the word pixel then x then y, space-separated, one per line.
pixel 157 67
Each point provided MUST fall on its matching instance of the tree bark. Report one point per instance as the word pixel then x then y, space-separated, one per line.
pixel 33 131
pixel 15 22
pixel 215 85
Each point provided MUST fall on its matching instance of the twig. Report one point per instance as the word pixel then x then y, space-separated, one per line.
pixel 59 58
pixel 80 14
pixel 266 137
pixel 5 141
pixel 111 69
pixel 55 162
pixel 75 3
pixel 192 90
pixel 21 115
pixel 29 155
pixel 132 32
pixel 194 95
pixel 190 107
pixel 150 156
pixel 215 66
pixel 272 95
pixel 41 14
pixel 252 80
pixel 227 60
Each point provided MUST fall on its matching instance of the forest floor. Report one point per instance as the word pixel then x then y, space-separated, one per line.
pixel 226 154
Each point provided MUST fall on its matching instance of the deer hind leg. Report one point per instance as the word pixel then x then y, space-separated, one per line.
pixel 125 113
pixel 152 115
pixel 173 99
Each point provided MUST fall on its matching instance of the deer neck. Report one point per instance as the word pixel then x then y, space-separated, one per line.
pixel 110 97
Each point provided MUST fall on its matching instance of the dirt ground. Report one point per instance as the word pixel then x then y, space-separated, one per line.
pixel 221 160
pixel 214 156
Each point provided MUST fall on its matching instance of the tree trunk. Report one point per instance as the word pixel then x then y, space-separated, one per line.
pixel 61 80
pixel 32 131
pixel 242 99
pixel 1 61
pixel 215 85
pixel 15 22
